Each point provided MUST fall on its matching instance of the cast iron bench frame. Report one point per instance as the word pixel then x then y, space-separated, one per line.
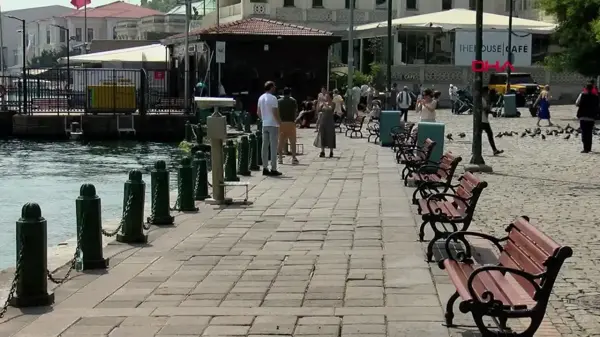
pixel 339 123
pixel 459 209
pixel 530 256
pixel 355 127
pixel 415 157
pixel 373 129
pixel 432 177
pixel 402 136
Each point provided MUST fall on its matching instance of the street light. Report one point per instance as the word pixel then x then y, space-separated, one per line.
pixel 67 32
pixel 24 51
pixel 510 58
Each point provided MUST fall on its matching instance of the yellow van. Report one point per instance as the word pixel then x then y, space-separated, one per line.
pixel 521 84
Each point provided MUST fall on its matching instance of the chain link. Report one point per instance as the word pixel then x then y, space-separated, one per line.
pixel 13 286
pixel 179 189
pixel 76 255
pixel 123 217
pixel 155 199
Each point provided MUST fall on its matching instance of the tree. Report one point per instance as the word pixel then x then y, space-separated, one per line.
pixel 48 58
pixel 578 34
pixel 160 5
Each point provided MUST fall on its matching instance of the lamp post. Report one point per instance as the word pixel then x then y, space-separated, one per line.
pixel 390 57
pixel 66 30
pixel 350 103
pixel 24 60
pixel 509 57
pixel 477 164
pixel 186 58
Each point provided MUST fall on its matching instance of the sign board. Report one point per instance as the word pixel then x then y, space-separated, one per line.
pixel 220 51
pixel 495 48
pixel 485 66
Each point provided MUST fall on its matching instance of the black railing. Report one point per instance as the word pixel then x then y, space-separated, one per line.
pixel 94 91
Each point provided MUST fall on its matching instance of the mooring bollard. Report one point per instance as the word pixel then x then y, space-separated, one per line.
pixel 132 223
pixel 247 124
pixel 244 156
pixel 31 271
pixel 259 125
pixel 185 194
pixel 199 134
pixel 253 153
pixel 160 196
pixel 201 191
pixel 259 147
pixel 230 162
pixel 189 132
pixel 89 229
pixel 239 121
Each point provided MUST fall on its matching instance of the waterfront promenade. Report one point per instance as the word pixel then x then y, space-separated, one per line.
pixel 329 249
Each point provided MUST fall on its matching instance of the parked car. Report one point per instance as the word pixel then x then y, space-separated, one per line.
pixel 522 85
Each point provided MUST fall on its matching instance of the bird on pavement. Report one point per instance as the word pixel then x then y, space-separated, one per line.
pixel 462 135
pixel 449 136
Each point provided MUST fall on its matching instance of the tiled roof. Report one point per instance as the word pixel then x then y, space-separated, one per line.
pixel 117 9
pixel 259 26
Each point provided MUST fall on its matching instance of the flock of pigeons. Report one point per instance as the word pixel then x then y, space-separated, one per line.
pixel 566 132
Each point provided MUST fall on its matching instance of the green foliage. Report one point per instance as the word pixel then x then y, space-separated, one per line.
pixel 160 5
pixel 578 34
pixel 376 74
pixel 375 47
pixel 48 58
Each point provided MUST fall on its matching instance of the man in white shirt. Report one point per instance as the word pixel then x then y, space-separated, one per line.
pixel 268 111
pixel 404 102
pixel 453 93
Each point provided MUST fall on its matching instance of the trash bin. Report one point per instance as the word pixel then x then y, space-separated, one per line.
pixel 436 132
pixel 387 120
pixel 510 106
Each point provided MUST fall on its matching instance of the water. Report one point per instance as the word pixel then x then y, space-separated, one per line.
pixel 51 173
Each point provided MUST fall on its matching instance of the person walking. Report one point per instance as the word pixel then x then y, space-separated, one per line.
pixel 338 103
pixel 543 104
pixel 326 128
pixel 268 111
pixel 287 130
pixel 453 93
pixel 587 112
pixel 321 99
pixel 404 102
pixel 485 120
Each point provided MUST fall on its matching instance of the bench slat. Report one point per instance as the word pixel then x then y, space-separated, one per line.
pixel 541 240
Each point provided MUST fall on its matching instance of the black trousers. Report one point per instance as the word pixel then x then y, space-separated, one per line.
pixel 405 113
pixel 485 127
pixel 587 131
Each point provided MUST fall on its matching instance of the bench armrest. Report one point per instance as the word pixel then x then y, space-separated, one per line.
pixel 440 197
pixel 488 297
pixel 428 167
pixel 461 235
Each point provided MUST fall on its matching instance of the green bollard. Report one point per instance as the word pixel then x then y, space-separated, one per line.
pixel 189 132
pixel 259 125
pixel 259 147
pixel 239 121
pixel 160 197
pixel 230 162
pixel 244 156
pixel 132 223
pixel 253 153
pixel 247 125
pixel 31 275
pixel 185 179
pixel 201 191
pixel 199 134
pixel 89 229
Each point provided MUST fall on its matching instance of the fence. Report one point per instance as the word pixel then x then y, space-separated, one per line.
pixel 78 90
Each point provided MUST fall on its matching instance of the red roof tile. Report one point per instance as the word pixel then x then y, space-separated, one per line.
pixel 117 9
pixel 259 26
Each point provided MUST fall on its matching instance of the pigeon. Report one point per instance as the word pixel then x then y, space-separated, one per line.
pixel 528 130
pixel 462 135
pixel 499 135
pixel 449 136
pixel 543 137
pixel 532 135
pixel 523 134
pixel 567 136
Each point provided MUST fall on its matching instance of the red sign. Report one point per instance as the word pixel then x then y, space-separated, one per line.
pixel 159 75
pixel 486 66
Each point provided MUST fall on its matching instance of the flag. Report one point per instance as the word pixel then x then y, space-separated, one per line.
pixel 80 3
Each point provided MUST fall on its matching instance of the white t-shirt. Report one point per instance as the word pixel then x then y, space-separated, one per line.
pixel 267 102
pixel 428 115
pixel 363 90
pixel 339 103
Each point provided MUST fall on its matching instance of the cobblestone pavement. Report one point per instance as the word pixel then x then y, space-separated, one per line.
pixel 327 250
pixel 558 187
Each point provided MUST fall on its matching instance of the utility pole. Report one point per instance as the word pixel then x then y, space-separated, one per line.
pixel 186 59
pixel 218 5
pixel 477 164
pixel 390 56
pixel 509 57
pixel 1 47
pixel 350 102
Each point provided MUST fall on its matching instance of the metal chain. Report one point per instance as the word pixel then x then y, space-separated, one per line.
pixel 178 201
pixel 154 197
pixel 123 217
pixel 74 260
pixel 13 286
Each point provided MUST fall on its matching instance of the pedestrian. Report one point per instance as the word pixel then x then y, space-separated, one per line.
pixel 268 111
pixel 587 112
pixel 326 128
pixel 543 105
pixel 288 108
pixel 426 107
pixel 321 98
pixel 338 102
pixel 485 120
pixel 594 87
pixel 404 103
pixel 453 93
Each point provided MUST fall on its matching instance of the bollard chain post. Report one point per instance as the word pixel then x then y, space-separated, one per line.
pixel 231 162
pixel 160 202
pixel 244 156
pixel 254 153
pixel 186 184
pixel 132 230
pixel 201 192
pixel 88 210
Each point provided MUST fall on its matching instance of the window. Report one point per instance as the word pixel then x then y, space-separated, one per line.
pixel 288 3
pixel 317 3
pixel 411 5
pixel 48 36
pixel 90 34
pixel 472 5
pixel 78 34
pixel 348 3
pixel 446 5
pixel 63 35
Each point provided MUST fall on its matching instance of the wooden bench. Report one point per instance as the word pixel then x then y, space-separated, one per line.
pixel 434 177
pixel 339 123
pixel 373 129
pixel 450 209
pixel 355 128
pixel 417 157
pixel 532 259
